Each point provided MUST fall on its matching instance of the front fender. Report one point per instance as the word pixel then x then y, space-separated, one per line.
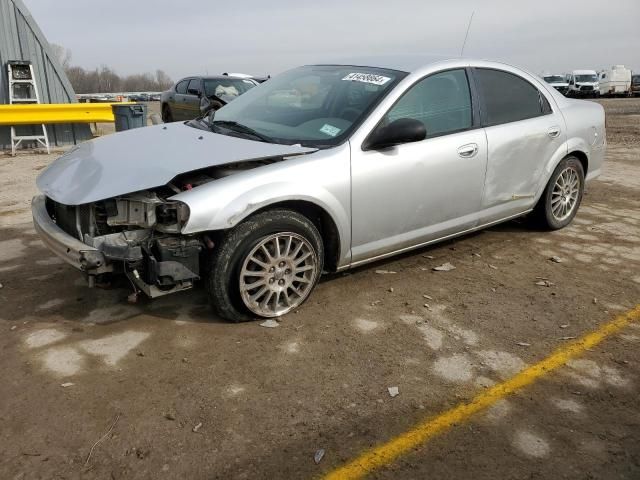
pixel 322 179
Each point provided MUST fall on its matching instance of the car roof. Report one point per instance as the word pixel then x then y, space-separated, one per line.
pixel 212 77
pixel 411 63
pixel 403 62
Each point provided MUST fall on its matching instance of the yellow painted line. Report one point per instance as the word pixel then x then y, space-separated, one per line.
pixel 404 443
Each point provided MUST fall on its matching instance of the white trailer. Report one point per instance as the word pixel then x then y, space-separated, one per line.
pixel 615 81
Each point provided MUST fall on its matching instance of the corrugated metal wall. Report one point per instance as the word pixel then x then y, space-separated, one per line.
pixel 22 39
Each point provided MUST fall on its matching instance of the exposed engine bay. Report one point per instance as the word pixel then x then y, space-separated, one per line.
pixel 139 234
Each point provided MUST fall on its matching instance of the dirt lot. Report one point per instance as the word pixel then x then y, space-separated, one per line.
pixel 167 391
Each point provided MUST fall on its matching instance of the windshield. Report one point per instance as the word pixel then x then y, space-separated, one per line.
pixel 635 80
pixel 586 78
pixel 554 79
pixel 226 87
pixel 313 105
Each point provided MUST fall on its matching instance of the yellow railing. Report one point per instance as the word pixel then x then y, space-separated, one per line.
pixel 34 114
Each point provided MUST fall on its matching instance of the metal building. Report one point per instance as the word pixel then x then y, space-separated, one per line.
pixel 22 39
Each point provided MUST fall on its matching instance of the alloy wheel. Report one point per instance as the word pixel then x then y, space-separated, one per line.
pixel 564 196
pixel 278 274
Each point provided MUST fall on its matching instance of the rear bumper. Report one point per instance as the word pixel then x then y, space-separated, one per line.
pixel 77 254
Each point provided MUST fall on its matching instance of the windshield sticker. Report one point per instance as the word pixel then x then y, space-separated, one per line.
pixel 330 130
pixel 367 78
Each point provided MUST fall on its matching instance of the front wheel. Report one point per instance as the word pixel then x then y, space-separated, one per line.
pixel 562 196
pixel 265 267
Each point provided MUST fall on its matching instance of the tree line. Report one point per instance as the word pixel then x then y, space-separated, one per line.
pixel 106 80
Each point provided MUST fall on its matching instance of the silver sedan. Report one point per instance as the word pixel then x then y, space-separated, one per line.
pixel 322 168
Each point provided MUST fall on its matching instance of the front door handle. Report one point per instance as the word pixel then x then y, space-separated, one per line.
pixel 468 151
pixel 553 132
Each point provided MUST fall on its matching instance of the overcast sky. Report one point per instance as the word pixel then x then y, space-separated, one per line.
pixel 269 36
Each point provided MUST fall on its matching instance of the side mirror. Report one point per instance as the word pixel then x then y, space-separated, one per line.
pixel 193 91
pixel 403 130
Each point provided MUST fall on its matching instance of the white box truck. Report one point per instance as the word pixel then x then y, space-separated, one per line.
pixel 615 81
pixel 583 83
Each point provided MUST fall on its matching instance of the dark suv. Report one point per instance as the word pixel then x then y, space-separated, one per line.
pixel 193 96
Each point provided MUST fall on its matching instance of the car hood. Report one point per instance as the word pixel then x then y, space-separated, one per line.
pixel 145 158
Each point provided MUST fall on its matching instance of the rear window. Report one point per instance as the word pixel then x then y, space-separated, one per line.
pixel 507 97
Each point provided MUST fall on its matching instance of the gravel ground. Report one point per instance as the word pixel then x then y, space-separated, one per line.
pixel 93 387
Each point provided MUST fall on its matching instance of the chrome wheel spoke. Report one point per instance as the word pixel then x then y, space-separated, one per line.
pixel 294 254
pixel 276 241
pixel 287 248
pixel 253 285
pixel 267 253
pixel 258 262
pixel 254 273
pixel 298 261
pixel 296 291
pixel 259 294
pixel 265 302
pixel 306 268
pixel 285 297
pixel 278 294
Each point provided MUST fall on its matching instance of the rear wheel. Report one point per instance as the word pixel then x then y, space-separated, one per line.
pixel 562 196
pixel 167 116
pixel 265 267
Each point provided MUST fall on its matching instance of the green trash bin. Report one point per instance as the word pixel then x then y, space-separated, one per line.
pixel 129 116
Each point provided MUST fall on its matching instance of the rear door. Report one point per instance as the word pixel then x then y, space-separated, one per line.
pixel 523 133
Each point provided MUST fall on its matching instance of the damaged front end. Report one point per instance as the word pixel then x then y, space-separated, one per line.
pixel 136 234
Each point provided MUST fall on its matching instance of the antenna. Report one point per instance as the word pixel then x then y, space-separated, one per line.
pixel 466 34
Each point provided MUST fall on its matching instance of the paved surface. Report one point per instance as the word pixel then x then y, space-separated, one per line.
pixel 145 376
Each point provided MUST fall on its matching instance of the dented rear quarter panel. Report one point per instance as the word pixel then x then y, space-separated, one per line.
pixel 322 178
pixel 586 132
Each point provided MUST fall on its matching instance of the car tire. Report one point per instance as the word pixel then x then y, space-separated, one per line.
pixel 239 263
pixel 167 116
pixel 562 196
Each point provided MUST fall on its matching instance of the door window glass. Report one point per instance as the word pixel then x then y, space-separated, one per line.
pixel 441 101
pixel 181 87
pixel 194 87
pixel 507 97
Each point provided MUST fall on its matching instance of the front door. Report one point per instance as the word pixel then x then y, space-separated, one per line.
pixel 191 101
pixel 413 193
pixel 178 100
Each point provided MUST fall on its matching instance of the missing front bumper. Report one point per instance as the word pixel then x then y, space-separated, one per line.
pixel 77 254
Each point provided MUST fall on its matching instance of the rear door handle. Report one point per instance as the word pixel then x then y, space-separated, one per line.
pixel 553 132
pixel 468 151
